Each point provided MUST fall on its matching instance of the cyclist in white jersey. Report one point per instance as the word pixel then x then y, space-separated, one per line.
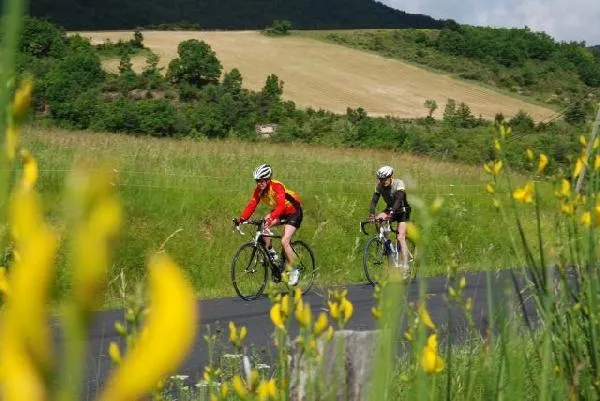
pixel 397 208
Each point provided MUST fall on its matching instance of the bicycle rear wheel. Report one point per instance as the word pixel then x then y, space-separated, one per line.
pixel 249 271
pixel 305 262
pixel 376 262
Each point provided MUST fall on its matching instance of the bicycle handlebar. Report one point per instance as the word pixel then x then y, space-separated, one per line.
pixel 378 220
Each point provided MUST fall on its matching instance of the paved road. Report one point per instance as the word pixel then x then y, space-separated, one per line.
pixel 254 315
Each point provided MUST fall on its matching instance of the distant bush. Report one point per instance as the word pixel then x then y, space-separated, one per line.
pixel 279 28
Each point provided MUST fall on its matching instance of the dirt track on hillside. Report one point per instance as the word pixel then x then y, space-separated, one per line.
pixel 332 77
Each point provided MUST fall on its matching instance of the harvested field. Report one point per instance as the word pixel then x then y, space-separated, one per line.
pixel 331 77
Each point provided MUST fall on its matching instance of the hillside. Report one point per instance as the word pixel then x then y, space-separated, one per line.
pixel 333 77
pixel 531 64
pixel 227 14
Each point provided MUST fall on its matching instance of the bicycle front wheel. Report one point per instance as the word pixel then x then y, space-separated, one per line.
pixel 305 263
pixel 249 271
pixel 376 263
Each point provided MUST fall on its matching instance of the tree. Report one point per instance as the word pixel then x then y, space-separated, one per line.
pixel 41 38
pixel 575 115
pixel 431 106
pixel 138 39
pixel 197 64
pixel 279 28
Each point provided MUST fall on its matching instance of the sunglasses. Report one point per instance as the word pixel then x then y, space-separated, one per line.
pixel 261 180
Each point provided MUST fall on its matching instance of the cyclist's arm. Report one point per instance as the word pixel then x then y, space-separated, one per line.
pixel 374 201
pixel 251 206
pixel 399 199
pixel 279 198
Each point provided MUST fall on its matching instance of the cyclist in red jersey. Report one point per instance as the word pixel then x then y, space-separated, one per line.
pixel 286 205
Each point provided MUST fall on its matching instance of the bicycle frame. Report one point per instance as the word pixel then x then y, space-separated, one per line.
pixel 261 233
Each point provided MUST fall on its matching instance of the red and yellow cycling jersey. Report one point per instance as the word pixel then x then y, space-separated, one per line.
pixel 280 199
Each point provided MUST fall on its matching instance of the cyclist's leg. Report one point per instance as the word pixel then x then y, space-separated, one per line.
pixel 291 223
pixel 286 240
pixel 401 237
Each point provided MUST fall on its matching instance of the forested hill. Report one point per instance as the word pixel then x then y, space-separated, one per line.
pixel 227 14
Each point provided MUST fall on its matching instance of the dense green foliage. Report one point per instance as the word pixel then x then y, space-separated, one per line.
pixel 528 63
pixel 195 98
pixel 228 14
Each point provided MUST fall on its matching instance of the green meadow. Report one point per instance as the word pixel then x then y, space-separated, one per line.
pixel 181 195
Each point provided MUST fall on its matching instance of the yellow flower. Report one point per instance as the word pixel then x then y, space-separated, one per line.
pixel 530 154
pixel 586 219
pixel 425 317
pixel 334 310
pixel 376 311
pixel 596 143
pixel 285 306
pixel 224 390
pixel 437 204
pixel 304 316
pixel 579 166
pixel 408 336
pixel 413 233
pixel 490 188
pixel 297 296
pixel 582 140
pixel 330 333
pixel 238 386
pixel 542 163
pixel 451 291
pixel 267 390
pixel 321 324
pixel 11 142
pixel 504 131
pixel 26 355
pixel 493 168
pixel 597 162
pixel 431 362
pixel 4 286
pixel 276 316
pixel 233 334
pixel 565 189
pixel 30 170
pixel 90 252
pixel 462 283
pixel 469 304
pixel 22 99
pixel 114 352
pixel 31 275
pixel 497 145
pixel 346 308
pixel 171 328
pixel 567 208
pixel 243 333
pixel 525 194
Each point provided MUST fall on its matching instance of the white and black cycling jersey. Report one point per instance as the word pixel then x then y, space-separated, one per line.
pixel 394 196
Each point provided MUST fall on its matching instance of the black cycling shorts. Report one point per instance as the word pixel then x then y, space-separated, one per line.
pixel 400 216
pixel 294 219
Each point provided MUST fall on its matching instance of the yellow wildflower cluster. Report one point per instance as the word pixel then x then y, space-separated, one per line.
pixel 27 360
pixel 429 359
pixel 340 308
pixel 254 388
pixel 237 336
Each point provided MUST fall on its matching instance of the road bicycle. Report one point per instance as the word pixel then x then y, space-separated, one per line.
pixel 252 266
pixel 382 254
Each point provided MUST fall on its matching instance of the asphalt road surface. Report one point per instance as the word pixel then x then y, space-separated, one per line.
pixel 216 314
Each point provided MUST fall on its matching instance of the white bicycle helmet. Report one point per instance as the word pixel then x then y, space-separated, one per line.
pixel 263 171
pixel 385 172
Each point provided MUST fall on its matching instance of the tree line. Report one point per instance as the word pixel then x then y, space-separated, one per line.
pixel 227 14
